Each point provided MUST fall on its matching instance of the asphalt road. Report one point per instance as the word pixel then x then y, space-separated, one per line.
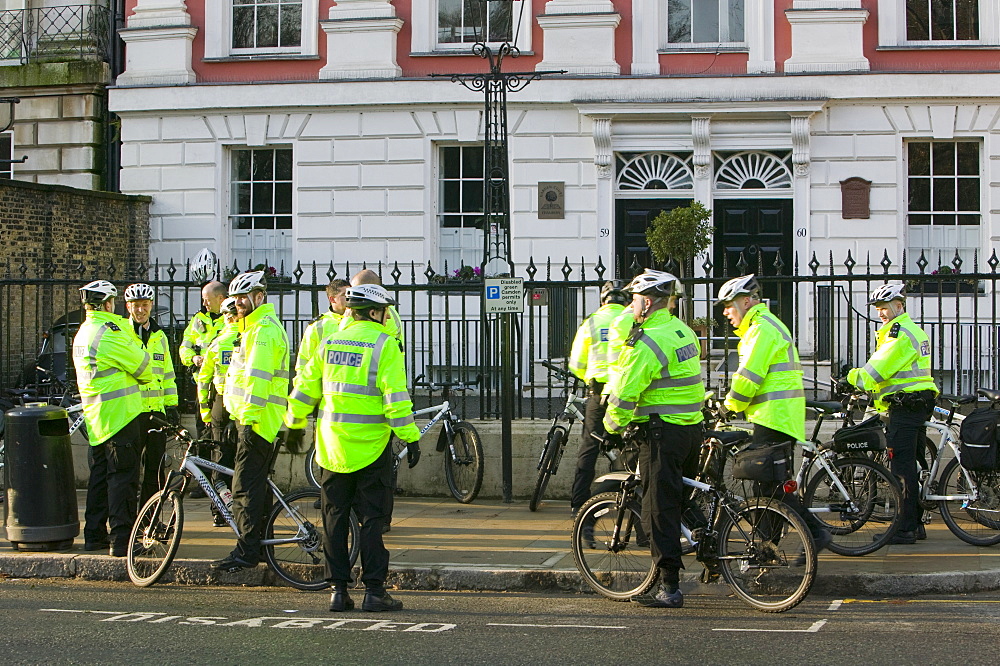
pixel 57 622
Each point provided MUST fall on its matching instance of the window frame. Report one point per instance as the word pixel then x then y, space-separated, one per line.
pixel 219 35
pixel 7 169
pixel 892 28
pixel 439 212
pixel 666 46
pixel 230 199
pixel 424 24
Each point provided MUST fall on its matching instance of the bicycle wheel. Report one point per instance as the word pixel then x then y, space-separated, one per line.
pixel 313 470
pixel 553 444
pixel 299 560
pixel 463 467
pixel 766 555
pixel 616 570
pixel 868 516
pixel 154 539
pixel 973 521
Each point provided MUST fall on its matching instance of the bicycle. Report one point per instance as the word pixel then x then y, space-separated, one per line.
pixel 969 501
pixel 461 444
pixel 292 543
pixel 759 546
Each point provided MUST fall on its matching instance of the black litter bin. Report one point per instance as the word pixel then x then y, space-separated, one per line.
pixel 40 511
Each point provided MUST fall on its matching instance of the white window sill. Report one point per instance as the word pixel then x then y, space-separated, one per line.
pixel 940 46
pixel 704 48
pixel 238 57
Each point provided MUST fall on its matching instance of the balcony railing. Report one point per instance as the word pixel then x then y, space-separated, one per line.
pixel 55 34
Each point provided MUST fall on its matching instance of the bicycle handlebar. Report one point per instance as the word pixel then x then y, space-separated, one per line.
pixel 443 386
pixel 561 373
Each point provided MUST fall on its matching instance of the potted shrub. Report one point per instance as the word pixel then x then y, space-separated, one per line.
pixel 681 234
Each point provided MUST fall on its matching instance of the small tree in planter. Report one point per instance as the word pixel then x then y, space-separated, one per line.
pixel 682 234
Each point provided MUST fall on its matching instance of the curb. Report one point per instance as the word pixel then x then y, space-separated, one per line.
pixel 198 572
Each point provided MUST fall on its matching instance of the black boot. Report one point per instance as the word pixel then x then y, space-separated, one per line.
pixel 378 599
pixel 340 600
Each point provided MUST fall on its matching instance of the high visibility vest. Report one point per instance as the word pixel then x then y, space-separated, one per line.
pixel 589 357
pixel 768 384
pixel 162 391
pixel 618 332
pixel 213 368
pixel 321 327
pixel 257 380
pixel 200 331
pixel 660 374
pixel 110 367
pixel 901 362
pixel 393 325
pixel 358 381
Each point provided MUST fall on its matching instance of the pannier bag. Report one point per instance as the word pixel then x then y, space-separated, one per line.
pixel 767 464
pixel 869 435
pixel 979 447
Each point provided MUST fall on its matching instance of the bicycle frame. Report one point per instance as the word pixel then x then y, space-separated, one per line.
pixel 811 455
pixel 948 438
pixel 443 409
pixel 570 414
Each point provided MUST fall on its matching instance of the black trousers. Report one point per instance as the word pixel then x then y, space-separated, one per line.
pixel 764 436
pixel 590 448
pixel 902 436
pixel 663 461
pixel 113 488
pixel 151 448
pixel 251 496
pixel 223 431
pixel 369 492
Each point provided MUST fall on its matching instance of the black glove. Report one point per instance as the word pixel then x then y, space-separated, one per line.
pixel 173 416
pixel 412 454
pixel 844 387
pixel 292 439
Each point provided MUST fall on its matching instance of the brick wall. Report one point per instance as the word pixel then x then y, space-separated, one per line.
pixel 54 240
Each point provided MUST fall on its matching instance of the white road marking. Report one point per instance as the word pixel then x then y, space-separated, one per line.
pixel 811 630
pixel 69 610
pixel 555 626
pixel 835 605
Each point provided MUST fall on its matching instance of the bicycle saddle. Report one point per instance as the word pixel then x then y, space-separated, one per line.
pixel 993 396
pixel 728 437
pixel 827 407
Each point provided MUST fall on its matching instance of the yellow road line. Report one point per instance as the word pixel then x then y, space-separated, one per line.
pixel 922 601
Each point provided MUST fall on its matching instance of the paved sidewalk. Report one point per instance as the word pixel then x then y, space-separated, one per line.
pixel 437 543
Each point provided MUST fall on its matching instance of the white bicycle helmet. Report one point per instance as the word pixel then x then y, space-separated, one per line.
pixel 139 292
pixel 368 296
pixel 97 292
pixel 203 266
pixel 888 292
pixel 244 283
pixel 745 285
pixel 655 283
pixel 228 306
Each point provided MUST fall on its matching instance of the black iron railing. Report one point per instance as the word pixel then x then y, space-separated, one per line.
pixel 56 34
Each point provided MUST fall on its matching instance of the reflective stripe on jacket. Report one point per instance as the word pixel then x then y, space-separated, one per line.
pixel 901 362
pixel 257 381
pixel 322 327
pixel 590 357
pixel 162 391
pixel 358 381
pixel 213 368
pixel 200 331
pixel 768 384
pixel 110 366
pixel 618 333
pixel 660 374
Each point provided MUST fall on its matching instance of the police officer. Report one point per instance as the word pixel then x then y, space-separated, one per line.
pixel 255 393
pixel 326 323
pixel 393 322
pixel 212 375
pixel 660 389
pixel 110 368
pixel 767 386
pixel 359 384
pixel 589 360
pixel 159 397
pixel 204 325
pixel 899 375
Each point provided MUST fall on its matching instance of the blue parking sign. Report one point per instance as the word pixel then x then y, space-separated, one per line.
pixel 493 292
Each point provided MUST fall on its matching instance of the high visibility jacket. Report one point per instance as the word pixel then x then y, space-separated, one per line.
pixel 200 331
pixel 320 328
pixel 162 391
pixel 618 332
pixel 768 384
pixel 393 325
pixel 589 358
pixel 110 366
pixel 901 362
pixel 358 381
pixel 660 374
pixel 213 368
pixel 257 381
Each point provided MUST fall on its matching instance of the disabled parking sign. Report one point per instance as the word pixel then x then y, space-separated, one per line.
pixel 503 295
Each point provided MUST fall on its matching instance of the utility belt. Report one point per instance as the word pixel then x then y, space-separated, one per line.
pixel 653 430
pixel 595 387
pixel 912 401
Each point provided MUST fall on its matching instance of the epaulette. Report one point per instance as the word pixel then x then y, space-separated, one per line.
pixel 634 335
pixel 113 326
pixel 317 318
pixel 894 331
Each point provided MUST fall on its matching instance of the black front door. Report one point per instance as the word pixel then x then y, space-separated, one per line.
pixel 761 231
pixel 632 217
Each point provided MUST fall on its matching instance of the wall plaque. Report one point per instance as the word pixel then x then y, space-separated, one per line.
pixel 551 201
pixel 855 198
